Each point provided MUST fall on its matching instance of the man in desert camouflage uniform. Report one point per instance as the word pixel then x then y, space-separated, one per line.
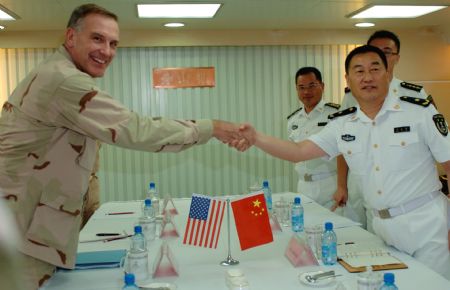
pixel 48 132
pixel 91 200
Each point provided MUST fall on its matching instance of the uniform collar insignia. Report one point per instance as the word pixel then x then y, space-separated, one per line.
pixel 348 138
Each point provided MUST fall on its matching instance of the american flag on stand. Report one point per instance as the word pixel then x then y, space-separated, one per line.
pixel 204 221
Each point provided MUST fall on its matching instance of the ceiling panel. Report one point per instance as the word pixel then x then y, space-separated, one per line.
pixel 234 14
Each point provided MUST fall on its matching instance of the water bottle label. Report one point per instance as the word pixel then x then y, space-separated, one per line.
pixel 149 230
pixel 329 254
pixel 138 265
pixel 297 223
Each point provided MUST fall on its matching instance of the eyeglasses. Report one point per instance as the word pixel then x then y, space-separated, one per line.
pixel 389 52
pixel 308 87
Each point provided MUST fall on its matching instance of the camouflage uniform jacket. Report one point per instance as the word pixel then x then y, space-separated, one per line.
pixel 48 130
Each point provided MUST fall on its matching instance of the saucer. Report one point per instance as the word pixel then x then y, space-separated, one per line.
pixel 318 283
pixel 158 285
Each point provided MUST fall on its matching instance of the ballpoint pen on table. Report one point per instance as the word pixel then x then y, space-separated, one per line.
pixel 119 213
pixel 107 234
pixel 117 238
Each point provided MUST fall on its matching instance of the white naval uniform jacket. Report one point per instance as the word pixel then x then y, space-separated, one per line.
pixel 48 132
pixel 394 154
pixel 302 125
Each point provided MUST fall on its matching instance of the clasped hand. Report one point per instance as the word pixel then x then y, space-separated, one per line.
pixel 241 136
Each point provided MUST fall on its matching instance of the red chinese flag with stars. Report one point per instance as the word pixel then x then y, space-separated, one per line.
pixel 252 221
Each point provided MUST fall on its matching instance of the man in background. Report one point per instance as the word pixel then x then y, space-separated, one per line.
pixel 317 177
pixel 48 133
pixel 349 184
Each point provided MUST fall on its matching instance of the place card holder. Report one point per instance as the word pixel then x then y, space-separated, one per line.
pixel 169 205
pixel 165 264
pixel 299 253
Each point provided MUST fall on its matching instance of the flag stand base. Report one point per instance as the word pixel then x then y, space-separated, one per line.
pixel 229 261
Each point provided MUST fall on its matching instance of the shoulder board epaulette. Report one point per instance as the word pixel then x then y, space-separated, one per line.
pixel 293 113
pixel 347 90
pixel 416 101
pixel 411 86
pixel 342 113
pixel 333 105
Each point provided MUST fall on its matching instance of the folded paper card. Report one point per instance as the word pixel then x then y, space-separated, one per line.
pixel 299 253
pixel 99 259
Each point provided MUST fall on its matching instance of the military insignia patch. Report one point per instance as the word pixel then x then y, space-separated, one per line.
pixel 411 86
pixel 342 113
pixel 348 137
pixel 416 101
pixel 440 123
pixel 294 127
pixel 333 105
pixel 321 124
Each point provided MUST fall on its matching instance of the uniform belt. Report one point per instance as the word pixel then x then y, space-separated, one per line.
pixel 317 176
pixel 406 207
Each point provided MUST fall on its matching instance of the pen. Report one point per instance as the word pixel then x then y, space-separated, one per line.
pixel 107 234
pixel 119 213
pixel 117 238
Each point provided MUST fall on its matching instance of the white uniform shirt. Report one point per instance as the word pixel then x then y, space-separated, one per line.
pixel 395 88
pixel 393 154
pixel 302 125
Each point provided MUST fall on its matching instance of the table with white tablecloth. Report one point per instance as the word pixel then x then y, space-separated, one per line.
pixel 265 267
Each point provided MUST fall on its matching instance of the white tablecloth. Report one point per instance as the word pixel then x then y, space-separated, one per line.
pixel 265 266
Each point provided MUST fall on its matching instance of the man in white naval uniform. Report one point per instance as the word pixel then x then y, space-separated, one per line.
pixel 392 143
pixel 317 178
pixel 389 43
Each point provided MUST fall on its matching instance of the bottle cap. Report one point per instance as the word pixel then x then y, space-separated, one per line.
pixel 129 279
pixel 151 185
pixel 297 200
pixel 389 278
pixel 137 229
pixel 148 202
pixel 265 183
pixel 328 226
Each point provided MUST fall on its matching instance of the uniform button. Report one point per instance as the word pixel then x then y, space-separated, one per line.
pixel 379 192
pixel 403 143
pixel 375 145
pixel 395 90
pixel 374 123
pixel 377 168
pixel 349 152
pixel 397 107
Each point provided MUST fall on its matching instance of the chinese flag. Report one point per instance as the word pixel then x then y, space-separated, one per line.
pixel 252 221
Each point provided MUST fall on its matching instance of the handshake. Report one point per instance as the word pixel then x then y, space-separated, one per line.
pixel 239 136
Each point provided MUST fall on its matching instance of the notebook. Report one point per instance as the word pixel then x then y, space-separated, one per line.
pixel 355 257
pixel 99 259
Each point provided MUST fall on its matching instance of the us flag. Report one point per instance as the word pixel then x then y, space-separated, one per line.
pixel 204 221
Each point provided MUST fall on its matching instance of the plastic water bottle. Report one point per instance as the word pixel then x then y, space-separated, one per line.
pixel 147 221
pixel 137 257
pixel 329 245
pixel 267 195
pixel 138 242
pixel 297 217
pixel 154 196
pixel 389 279
pixel 129 282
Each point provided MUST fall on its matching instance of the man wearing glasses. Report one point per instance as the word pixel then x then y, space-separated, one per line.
pixel 317 177
pixel 389 43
